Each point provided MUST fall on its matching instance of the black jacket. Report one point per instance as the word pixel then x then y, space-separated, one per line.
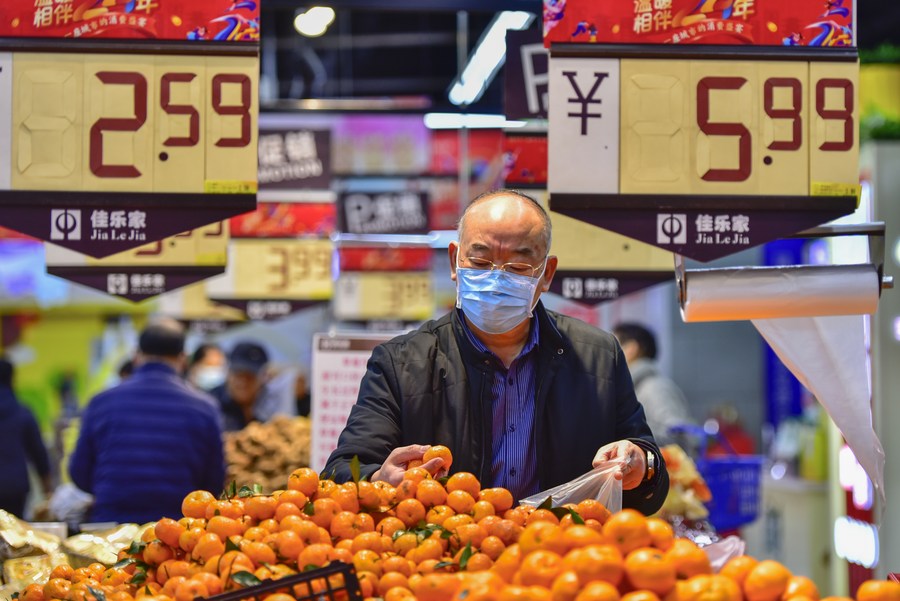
pixel 432 386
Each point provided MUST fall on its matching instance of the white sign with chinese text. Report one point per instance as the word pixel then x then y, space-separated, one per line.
pixel 583 135
pixel 338 365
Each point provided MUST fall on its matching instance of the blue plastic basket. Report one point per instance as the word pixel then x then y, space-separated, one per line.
pixel 734 483
pixel 733 480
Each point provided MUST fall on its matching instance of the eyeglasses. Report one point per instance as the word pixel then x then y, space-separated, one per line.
pixel 516 268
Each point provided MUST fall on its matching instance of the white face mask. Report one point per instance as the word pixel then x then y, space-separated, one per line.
pixel 210 377
pixel 495 301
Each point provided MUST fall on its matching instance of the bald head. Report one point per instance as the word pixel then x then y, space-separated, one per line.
pixel 505 209
pixel 163 337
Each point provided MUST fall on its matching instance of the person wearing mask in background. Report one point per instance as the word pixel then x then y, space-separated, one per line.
pixel 525 398
pixel 22 445
pixel 152 439
pixel 206 369
pixel 241 397
pixel 663 401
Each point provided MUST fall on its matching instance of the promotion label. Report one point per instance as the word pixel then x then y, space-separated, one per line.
pixel 703 157
pixel 383 212
pixel 149 270
pixel 293 159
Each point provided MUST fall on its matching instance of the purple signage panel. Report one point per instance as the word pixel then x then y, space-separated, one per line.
pixel 699 227
pixel 101 224
pixel 134 283
pixel 264 309
pixel 593 287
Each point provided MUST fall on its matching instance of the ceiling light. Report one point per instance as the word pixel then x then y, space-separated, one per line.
pixel 488 56
pixel 314 21
pixel 471 121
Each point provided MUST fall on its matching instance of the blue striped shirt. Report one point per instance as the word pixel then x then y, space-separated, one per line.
pixel 513 453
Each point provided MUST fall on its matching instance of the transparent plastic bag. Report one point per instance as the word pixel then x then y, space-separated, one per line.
pixel 600 483
pixel 721 552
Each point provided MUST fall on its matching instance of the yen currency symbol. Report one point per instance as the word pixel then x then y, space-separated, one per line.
pixel 585 101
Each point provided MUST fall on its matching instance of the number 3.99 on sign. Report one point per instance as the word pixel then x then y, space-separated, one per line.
pixel 133 123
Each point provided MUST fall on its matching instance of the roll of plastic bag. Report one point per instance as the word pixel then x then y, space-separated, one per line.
pixel 774 292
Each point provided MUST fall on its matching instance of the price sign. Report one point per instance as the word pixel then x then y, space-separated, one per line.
pixel 406 296
pixel 704 157
pixel 274 277
pixel 174 136
pixel 148 270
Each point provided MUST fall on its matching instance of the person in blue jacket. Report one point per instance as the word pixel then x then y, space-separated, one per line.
pixel 151 440
pixel 22 444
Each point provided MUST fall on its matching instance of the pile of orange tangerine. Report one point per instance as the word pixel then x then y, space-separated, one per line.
pixel 425 539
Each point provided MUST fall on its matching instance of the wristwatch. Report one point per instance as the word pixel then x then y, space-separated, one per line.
pixel 651 466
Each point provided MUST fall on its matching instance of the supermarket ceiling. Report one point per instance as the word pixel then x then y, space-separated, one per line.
pixel 409 49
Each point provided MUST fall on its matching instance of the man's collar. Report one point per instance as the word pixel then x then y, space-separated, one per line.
pixel 533 334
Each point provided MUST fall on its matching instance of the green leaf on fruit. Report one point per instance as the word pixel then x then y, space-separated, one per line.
pixel 309 508
pixel 125 562
pixel 354 468
pixel 465 555
pixel 230 545
pixel 98 594
pixel 139 577
pixel 136 547
pixel 245 578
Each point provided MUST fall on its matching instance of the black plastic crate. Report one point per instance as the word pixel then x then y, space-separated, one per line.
pixel 318 586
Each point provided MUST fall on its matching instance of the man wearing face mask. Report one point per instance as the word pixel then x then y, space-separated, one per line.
pixel 525 398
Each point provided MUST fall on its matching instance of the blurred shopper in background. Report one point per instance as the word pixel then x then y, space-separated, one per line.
pixel 241 397
pixel 22 445
pixel 302 394
pixel 206 369
pixel 126 369
pixel 663 401
pixel 149 441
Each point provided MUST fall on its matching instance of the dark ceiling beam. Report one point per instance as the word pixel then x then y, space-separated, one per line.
pixel 491 6
pixel 370 40
pixel 387 85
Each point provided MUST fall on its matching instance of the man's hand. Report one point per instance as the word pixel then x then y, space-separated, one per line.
pixel 395 465
pixel 634 461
